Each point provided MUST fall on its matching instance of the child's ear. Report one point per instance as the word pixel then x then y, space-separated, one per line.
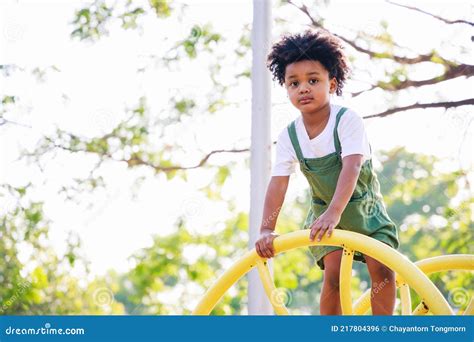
pixel 333 86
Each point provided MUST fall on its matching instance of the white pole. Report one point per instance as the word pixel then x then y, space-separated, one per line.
pixel 260 150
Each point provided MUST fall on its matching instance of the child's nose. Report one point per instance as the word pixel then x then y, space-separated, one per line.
pixel 304 89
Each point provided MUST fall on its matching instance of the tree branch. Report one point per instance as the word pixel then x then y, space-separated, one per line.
pixel 137 161
pixel 459 21
pixel 4 121
pixel 430 57
pixel 422 105
pixel 450 73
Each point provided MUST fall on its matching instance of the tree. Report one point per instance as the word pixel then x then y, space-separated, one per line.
pixel 141 138
pixel 34 279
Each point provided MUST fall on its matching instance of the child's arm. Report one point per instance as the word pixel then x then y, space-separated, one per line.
pixel 346 184
pixel 273 202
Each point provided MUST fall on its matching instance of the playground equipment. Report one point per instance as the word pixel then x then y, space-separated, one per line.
pixel 408 274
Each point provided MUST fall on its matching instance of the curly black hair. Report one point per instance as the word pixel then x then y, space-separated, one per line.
pixel 310 45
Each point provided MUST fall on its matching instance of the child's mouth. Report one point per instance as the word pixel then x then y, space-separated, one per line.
pixel 306 100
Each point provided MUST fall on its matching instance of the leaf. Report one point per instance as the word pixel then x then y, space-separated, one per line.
pixel 222 175
pixel 40 278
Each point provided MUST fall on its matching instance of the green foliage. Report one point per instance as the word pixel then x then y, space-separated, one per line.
pixel 184 106
pixel 8 100
pixel 222 175
pixel 169 276
pixel 33 279
pixel 91 23
pixel 296 271
pixel 129 19
pixel 430 207
pixel 162 7
pixel 169 269
pixel 200 38
pixel 411 184
pixel 395 78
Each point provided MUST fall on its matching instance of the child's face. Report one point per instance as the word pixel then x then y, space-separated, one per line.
pixel 308 85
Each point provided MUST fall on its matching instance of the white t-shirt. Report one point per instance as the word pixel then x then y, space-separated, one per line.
pixel 352 136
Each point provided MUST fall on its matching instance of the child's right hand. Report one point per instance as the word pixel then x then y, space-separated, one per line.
pixel 264 244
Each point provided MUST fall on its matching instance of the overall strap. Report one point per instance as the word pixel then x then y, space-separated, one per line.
pixel 337 143
pixel 294 141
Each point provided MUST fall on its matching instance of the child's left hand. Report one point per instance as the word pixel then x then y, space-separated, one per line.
pixel 326 222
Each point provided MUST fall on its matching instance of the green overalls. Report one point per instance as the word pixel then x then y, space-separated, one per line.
pixel 365 213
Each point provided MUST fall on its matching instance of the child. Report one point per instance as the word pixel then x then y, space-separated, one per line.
pixel 330 144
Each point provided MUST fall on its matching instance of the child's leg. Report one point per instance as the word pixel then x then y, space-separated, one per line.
pixel 330 302
pixel 384 290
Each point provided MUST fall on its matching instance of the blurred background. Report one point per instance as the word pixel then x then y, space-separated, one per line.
pixel 125 135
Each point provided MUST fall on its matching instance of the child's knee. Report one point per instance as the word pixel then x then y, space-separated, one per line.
pixel 331 278
pixel 332 264
pixel 382 272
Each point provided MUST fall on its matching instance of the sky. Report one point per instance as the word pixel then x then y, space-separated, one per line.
pixel 100 80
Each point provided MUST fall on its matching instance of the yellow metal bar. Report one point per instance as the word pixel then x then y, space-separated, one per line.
pixel 379 251
pixel 405 298
pixel 470 308
pixel 427 266
pixel 355 241
pixel 362 305
pixel 224 282
pixel 446 263
pixel 270 290
pixel 421 309
pixel 345 276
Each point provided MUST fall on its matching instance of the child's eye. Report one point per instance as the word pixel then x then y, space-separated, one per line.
pixel 313 81
pixel 293 84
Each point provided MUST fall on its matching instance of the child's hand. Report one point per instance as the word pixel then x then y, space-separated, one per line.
pixel 264 244
pixel 326 222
